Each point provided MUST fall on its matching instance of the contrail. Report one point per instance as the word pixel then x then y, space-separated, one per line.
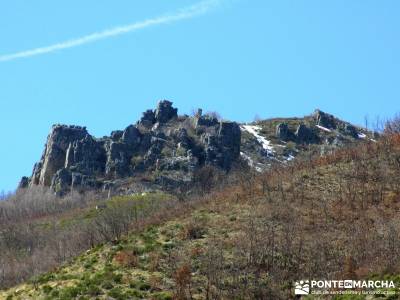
pixel 185 13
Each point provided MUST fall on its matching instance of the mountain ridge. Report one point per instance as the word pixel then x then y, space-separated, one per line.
pixel 170 148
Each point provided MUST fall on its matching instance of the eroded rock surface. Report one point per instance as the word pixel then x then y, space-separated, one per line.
pixel 159 142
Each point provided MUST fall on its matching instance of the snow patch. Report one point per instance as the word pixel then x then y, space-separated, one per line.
pixel 254 130
pixel 290 157
pixel 323 128
pixel 362 135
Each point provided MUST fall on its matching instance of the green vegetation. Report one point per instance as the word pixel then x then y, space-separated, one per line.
pixel 332 217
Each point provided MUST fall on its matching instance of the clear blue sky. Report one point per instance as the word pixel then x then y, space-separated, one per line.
pixel 242 58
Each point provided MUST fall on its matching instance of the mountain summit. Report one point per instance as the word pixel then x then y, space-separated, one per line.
pixel 169 149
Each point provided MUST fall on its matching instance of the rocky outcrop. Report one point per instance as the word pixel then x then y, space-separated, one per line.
pixel 165 111
pixel 148 118
pixel 131 136
pixel 86 156
pixel 23 183
pixel 222 147
pixel 324 119
pixel 75 160
pixel 61 181
pixel 304 135
pixel 350 130
pixel 205 120
pixel 118 159
pixel 58 142
pixel 164 150
pixel 116 135
pixel 283 132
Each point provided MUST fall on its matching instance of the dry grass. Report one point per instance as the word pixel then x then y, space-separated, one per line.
pixel 335 217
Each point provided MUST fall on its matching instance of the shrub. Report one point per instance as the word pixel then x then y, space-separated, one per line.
pixel 133 293
pixel 47 289
pixel 69 292
pixel 143 286
pixel 126 259
pixel 392 126
pixel 93 290
pixel 195 229
pixel 162 296
pixel 117 278
pixel 183 278
pixel 117 293
pixel 55 293
pixel 107 285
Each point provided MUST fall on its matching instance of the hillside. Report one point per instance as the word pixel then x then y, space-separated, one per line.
pixel 164 150
pixel 334 216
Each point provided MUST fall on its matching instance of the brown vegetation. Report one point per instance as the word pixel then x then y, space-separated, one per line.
pixel 331 217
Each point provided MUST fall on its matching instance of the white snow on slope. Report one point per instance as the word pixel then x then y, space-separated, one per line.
pixel 290 157
pixel 323 128
pixel 362 135
pixel 254 130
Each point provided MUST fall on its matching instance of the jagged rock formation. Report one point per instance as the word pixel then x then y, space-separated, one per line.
pixel 280 140
pixel 174 146
pixel 54 155
pixel 324 119
pixel 283 132
pixel 304 135
pixel 168 148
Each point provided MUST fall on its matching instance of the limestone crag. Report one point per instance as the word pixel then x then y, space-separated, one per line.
pixel 325 120
pixel 161 142
pixel 304 135
pixel 163 150
pixel 283 132
pixel 54 155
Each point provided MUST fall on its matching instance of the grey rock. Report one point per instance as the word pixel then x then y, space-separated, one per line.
pixel 350 130
pixel 324 119
pixel 156 127
pixel 37 168
pixel 283 133
pixel 205 120
pixel 75 160
pixel 305 135
pixel 83 182
pixel 152 155
pixel 58 141
pixel 223 148
pixel 165 111
pixel 87 156
pixel 61 181
pixel 131 136
pixel 182 163
pixel 230 134
pixel 148 118
pixel 23 183
pixel 118 159
pixel 116 135
pixel 181 138
pixel 199 112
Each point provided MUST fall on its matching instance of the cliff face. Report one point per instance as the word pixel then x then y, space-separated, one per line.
pixel 169 149
pixel 174 146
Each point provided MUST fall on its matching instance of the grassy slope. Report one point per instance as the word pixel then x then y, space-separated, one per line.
pixel 135 265
pixel 319 214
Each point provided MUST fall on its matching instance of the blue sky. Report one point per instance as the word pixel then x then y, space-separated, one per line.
pixel 240 58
